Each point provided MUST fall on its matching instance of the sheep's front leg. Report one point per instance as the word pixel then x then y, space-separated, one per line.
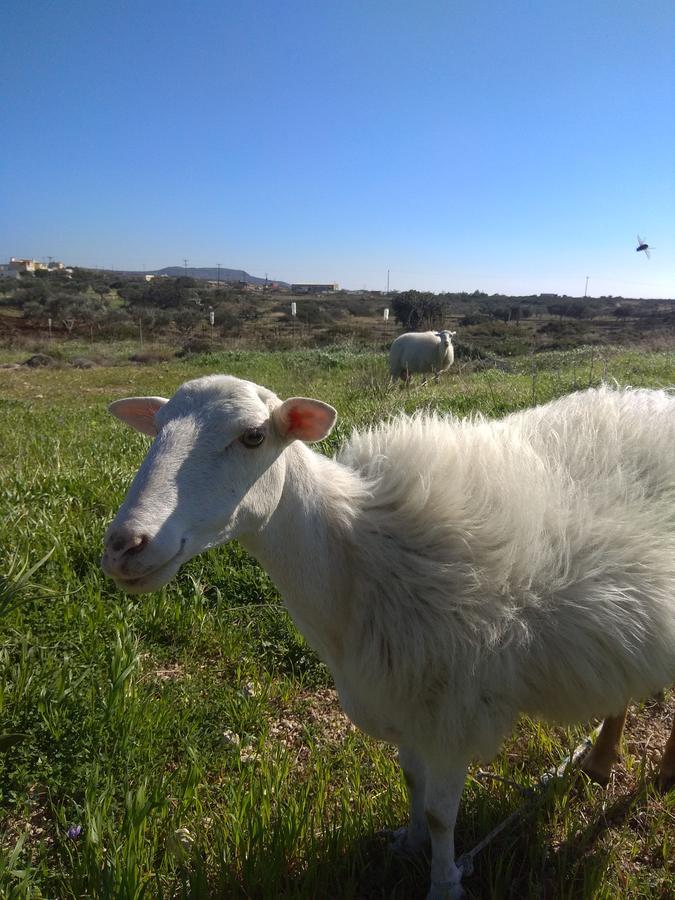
pixel 444 787
pixel 416 835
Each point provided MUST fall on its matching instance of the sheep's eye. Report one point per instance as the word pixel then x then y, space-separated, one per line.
pixel 253 437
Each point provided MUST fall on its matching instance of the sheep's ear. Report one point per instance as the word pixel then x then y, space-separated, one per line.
pixel 139 412
pixel 302 419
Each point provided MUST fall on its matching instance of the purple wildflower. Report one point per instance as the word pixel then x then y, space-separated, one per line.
pixel 74 832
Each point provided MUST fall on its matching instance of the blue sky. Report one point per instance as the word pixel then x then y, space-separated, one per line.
pixel 505 146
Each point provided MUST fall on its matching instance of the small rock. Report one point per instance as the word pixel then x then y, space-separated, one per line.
pixel 39 359
pixel 231 739
pixel 248 754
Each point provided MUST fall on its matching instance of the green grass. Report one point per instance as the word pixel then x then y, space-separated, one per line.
pixel 120 714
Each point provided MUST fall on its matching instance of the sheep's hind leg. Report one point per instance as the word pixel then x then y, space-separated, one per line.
pixel 443 791
pixel 598 762
pixel 666 779
pixel 415 836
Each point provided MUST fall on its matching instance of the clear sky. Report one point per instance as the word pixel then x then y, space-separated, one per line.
pixel 461 144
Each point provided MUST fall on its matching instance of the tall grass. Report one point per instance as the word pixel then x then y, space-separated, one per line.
pixel 189 744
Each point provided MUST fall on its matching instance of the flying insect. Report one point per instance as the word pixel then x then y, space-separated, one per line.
pixel 643 245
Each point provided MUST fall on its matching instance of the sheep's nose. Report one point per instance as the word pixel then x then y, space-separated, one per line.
pixel 123 543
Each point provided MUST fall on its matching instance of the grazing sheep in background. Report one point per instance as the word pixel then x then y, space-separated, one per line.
pixel 421 352
pixel 452 574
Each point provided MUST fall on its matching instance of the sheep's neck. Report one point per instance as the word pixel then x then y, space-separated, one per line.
pixel 303 548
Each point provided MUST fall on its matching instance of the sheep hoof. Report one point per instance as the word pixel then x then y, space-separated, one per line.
pixel 598 770
pixel 597 777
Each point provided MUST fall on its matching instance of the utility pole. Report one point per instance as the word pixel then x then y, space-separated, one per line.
pixel 185 262
pixel 586 288
pixel 218 276
pixel 387 282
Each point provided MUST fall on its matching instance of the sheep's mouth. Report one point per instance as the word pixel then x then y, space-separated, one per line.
pixel 153 579
pixel 150 581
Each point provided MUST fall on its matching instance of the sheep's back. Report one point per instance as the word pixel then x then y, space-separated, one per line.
pixel 604 444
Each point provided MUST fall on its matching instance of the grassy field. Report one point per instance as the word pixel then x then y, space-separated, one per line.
pixel 189 744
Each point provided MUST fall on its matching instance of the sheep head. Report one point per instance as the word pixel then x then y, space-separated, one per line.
pixel 215 471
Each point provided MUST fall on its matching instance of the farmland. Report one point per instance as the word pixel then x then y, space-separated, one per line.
pixel 189 743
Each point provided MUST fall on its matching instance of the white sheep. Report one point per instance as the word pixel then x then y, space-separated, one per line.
pixel 421 352
pixel 452 574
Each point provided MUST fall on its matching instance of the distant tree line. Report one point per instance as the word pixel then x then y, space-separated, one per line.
pixel 116 306
pixel 418 310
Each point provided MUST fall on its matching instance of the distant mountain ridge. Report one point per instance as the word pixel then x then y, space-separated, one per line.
pixel 212 274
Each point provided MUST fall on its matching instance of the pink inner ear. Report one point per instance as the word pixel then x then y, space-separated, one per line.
pixel 299 420
pixel 307 420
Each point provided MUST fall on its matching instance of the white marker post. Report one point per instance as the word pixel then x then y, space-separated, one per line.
pixel 385 316
pixel 294 312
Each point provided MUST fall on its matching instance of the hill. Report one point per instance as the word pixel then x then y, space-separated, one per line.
pixel 213 274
